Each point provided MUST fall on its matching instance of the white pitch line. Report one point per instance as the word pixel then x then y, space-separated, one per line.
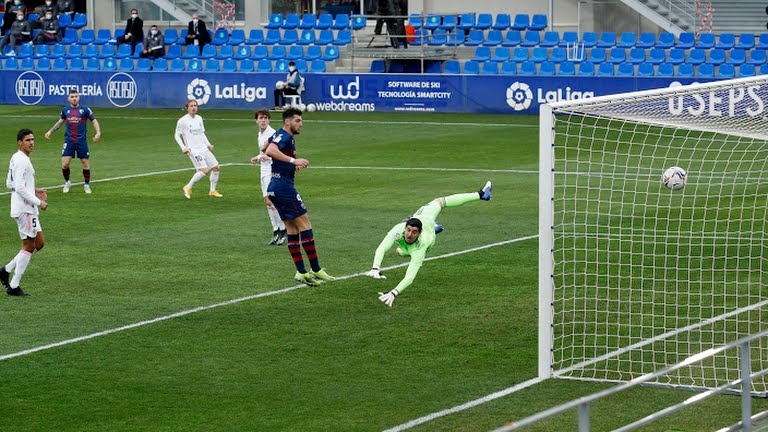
pixel 233 301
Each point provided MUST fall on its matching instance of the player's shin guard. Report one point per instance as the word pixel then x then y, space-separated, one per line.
pixel 295 249
pixel 308 243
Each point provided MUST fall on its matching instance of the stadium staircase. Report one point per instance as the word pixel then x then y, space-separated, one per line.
pixel 182 10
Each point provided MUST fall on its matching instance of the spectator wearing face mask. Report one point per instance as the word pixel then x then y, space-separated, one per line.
pixel 197 33
pixel 11 7
pixel 154 44
pixel 49 5
pixel 134 31
pixel 49 29
pixel 291 85
pixel 66 6
pixel 20 32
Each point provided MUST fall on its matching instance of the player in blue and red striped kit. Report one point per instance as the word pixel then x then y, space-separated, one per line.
pixel 76 117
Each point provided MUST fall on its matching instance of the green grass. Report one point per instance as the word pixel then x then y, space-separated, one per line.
pixel 330 358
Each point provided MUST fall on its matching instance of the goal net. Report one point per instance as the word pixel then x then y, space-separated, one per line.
pixel 633 276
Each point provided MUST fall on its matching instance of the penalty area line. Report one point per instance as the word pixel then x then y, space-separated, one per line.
pixel 231 302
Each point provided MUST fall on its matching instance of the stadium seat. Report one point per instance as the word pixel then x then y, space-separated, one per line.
pixel 93 64
pixel 726 71
pixel 504 21
pixel 431 22
pixel 421 37
pixel 558 54
pixel 482 53
pixel 74 50
pixel 756 57
pixel 246 65
pixel 324 21
pixel 528 68
pixel 676 56
pixel 378 66
pixel 211 65
pixel 11 63
pixel 359 22
pixel 220 36
pixel 25 50
pixel 396 67
pixel 454 39
pixel 103 36
pixel 519 54
pixel 538 22
pixel 126 64
pixel 627 40
pixel 471 67
pixel 237 37
pixel 177 65
pixel 586 68
pixel 195 65
pixel 685 70
pixel 705 41
pixel 686 40
pixel 605 69
pixel 60 64
pixel 343 37
pixel 484 22
pixel 79 21
pixel 607 39
pixel 589 39
pixel 666 69
pixel 225 52
pixel 92 51
pixel 41 51
pixel 105 52
pixel 617 55
pixel 228 65
pixel 657 55
pixel 264 65
pixel 173 51
pixel 275 21
pixel 764 69
pixel 242 52
pixel 260 52
pixel 747 70
pixel 625 70
pixel 27 63
pixel 716 56
pixel 160 64
pixel 65 20
pixel 295 52
pixel 705 70
pixel 182 37
pixel 123 50
pixel 567 68
pixel 667 40
pixel 508 68
pixel 475 38
pixel 87 36
pixel 493 38
pixel 341 22
pixel 597 55
pixel 307 37
pixel 314 52
pixel 290 37
pixel 762 41
pixel 308 21
pixel 439 38
pixel 521 22
pixel 697 56
pixel 58 51
pixel 531 39
pixel 209 51
pixel 646 70
pixel 646 40
pixel 255 37
pixel 273 37
pixel 449 22
pixel 550 39
pixel 331 53
pixel 121 32
pixel 725 41
pixel 489 68
pixel 70 36
pixel 569 38
pixel 281 66
pixel 325 37
pixel 737 56
pixel 278 52
pixel 292 21
pixel 466 22
pixel 547 68
pixel 110 64
pixel 76 64
pixel 452 67
pixel 191 52
pixel 512 39
pixel 636 55
pixel 143 65
pixel 538 54
pixel 746 41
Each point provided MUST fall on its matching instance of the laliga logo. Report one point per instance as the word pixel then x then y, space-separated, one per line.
pixel 199 90
pixel 121 89
pixel 352 90
pixel 519 96
pixel 30 88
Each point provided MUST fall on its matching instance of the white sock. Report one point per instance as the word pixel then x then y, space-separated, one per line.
pixel 195 178
pixel 11 265
pixel 214 180
pixel 274 217
pixel 22 260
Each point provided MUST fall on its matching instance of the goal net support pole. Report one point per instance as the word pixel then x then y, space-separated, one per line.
pixel 633 276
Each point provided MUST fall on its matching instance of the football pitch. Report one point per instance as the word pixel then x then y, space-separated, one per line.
pixel 150 312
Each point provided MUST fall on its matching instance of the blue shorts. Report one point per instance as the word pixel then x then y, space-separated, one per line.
pixel 285 198
pixel 79 151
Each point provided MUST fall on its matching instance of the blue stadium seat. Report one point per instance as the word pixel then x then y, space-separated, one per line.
pixel 92 51
pixel 106 51
pixel 341 22
pixel 260 52
pixel 471 67
pixel 65 20
pixel 93 64
pixel 490 68
pixel 538 54
pixel 762 41
pixel 182 36
pixel 325 37
pixel 324 21
pixel 607 39
pixel 123 50
pixel 177 65
pixel 60 64
pixel 697 56
pixel 246 65
pixel 528 68
pixel 331 53
pixel 317 66
pixel 667 40
pixel 281 66
pixel 225 52
pixel 482 53
pixel 58 51
pixel 307 37
pixel 493 38
pixel 301 65
pixel 566 68
pixel 26 50
pixel 547 68
pixel 236 38
pixel 764 69
pixel 657 55
pixel 747 70
pixel 716 56
pixel 70 36
pixel 597 55
pixel 292 21
pixel 508 68
pixel 242 52
pixel 520 55
pixel 466 22
pixel 396 67
pixel 295 52
pixel 255 37
pixel 626 70
pixel 173 51
pixel 449 22
pixel 746 41
pixel 79 21
pixel 589 39
pixel 229 65
pixel 275 21
pixel 605 69
pixel 87 36
pixel 160 64
pixel 550 39
pixel 737 56
pixel 504 21
pixel 143 65
pixel 726 71
pixel 705 41
pixel 636 55
pixel 586 68
pixel 220 36
pixel 627 40
pixel 484 22
pixel 195 65
pixel 512 39
pixel 110 64
pixel 705 70
pixel 686 40
pixel 278 52
pixel 103 36
pixel 41 51
pixel 343 37
pixel 538 22
pixel 676 56
pixel 11 63
pixel 558 54
pixel 420 38
pixel 290 37
pixel 378 66
pixel 756 57
pixel 646 70
pixel 531 39
pixel 666 69
pixel 359 22
pixel 646 40
pixel 126 64
pixel 452 67
pixel 726 41
pixel 76 64
pixel 314 52
pixel 521 22
pixel 190 52
pixel 431 22
pixel 74 50
pixel 569 38
pixel 27 63
pixel 272 37
pixel 439 37
pixel 120 33
pixel 211 65
pixel 617 55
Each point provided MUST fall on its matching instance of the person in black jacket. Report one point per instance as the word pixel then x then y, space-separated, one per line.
pixel 197 33
pixel 134 31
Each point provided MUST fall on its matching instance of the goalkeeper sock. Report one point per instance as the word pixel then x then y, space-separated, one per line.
pixel 459 199
pixel 295 249
pixel 308 242
pixel 22 260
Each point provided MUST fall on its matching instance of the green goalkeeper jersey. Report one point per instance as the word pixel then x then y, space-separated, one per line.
pixel 416 250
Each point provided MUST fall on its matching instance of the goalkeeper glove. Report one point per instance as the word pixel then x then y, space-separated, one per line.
pixel 388 298
pixel 376 274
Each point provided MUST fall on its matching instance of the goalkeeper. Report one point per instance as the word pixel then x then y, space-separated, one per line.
pixel 415 237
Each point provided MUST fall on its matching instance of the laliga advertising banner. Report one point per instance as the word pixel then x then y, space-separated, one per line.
pixel 328 92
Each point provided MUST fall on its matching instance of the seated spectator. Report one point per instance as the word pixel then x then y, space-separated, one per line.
pixel 66 7
pixel 20 32
pixel 11 7
pixel 291 85
pixel 154 44
pixel 49 5
pixel 49 29
pixel 134 31
pixel 197 33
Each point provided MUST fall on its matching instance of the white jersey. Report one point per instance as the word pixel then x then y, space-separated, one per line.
pixel 266 166
pixel 190 133
pixel 21 182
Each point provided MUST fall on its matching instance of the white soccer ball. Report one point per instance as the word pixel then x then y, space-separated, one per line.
pixel 279 84
pixel 302 106
pixel 674 178
pixel 311 107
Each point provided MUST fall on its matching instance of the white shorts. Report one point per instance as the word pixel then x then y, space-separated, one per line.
pixel 265 184
pixel 29 225
pixel 203 160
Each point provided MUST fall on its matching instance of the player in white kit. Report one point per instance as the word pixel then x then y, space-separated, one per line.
pixel 265 132
pixel 26 201
pixel 190 135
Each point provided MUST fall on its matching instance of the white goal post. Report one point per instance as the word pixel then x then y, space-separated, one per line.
pixel 633 276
